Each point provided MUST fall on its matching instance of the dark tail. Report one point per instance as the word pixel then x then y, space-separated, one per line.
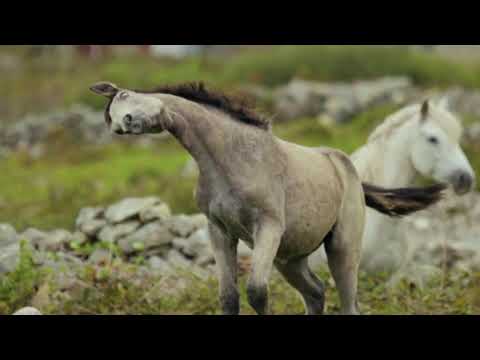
pixel 401 202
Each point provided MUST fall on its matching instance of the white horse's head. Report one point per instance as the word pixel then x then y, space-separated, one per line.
pixel 130 112
pixel 436 151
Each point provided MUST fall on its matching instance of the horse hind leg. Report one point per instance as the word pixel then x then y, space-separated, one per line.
pixel 344 249
pixel 300 277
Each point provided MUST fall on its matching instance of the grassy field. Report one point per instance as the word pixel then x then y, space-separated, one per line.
pixel 47 193
pixel 117 290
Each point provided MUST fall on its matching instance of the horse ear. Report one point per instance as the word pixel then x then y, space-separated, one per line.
pixel 425 110
pixel 106 89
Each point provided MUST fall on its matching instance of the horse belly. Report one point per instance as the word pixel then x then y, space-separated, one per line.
pixel 310 220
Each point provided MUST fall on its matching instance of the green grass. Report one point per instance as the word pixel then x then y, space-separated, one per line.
pixel 49 192
pixel 116 289
pixel 18 287
pixel 279 64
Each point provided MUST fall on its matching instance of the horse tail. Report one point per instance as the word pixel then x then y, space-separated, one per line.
pixel 401 202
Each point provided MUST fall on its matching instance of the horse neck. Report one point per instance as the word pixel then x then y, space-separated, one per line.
pixel 189 123
pixel 389 161
pixel 203 131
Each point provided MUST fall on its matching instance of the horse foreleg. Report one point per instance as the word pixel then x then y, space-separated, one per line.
pixel 225 253
pixel 267 241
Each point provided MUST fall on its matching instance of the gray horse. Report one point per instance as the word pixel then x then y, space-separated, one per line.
pixel 283 200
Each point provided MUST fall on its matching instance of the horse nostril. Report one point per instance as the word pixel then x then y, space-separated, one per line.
pixel 465 181
pixel 127 119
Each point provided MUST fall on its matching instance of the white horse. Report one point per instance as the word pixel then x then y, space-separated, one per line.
pixel 418 140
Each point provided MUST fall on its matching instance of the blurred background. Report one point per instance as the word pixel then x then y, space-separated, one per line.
pixel 57 156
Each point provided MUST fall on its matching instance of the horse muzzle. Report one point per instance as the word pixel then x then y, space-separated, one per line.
pixel 462 182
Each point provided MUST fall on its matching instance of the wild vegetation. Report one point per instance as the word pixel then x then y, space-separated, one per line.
pixel 48 192
pixel 49 82
pixel 116 290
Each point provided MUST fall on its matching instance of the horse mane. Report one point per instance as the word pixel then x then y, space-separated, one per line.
pixel 393 122
pixel 240 108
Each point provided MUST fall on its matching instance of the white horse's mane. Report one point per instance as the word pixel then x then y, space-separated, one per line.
pixel 442 117
pixel 394 121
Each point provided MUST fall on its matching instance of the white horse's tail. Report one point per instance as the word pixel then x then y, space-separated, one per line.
pixel 401 202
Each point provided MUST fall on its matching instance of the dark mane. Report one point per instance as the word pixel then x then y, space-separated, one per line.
pixel 236 106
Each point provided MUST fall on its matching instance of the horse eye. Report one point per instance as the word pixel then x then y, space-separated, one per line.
pixel 433 140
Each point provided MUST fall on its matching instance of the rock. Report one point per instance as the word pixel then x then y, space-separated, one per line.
pixel 100 257
pixel 299 99
pixel 198 244
pixel 58 239
pixel 86 215
pixel 205 260
pixel 111 233
pixel 177 260
pixel 184 226
pixel 179 243
pixel 33 132
pixel 52 241
pixel 68 259
pixel 93 227
pixel 150 236
pixel 89 221
pixel 27 311
pixel 340 101
pixel 8 235
pixel 199 221
pixel 9 256
pixel 463 101
pixel 160 251
pixel 36 238
pixel 318 259
pixel 78 239
pixel 159 212
pixel 160 266
pixel 129 208
pixel 243 250
pixel 41 258
pixel 340 109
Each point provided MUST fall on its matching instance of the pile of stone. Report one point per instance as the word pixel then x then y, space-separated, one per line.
pixel 135 226
pixel 80 123
pixel 339 101
pixel 464 101
pixel 145 226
